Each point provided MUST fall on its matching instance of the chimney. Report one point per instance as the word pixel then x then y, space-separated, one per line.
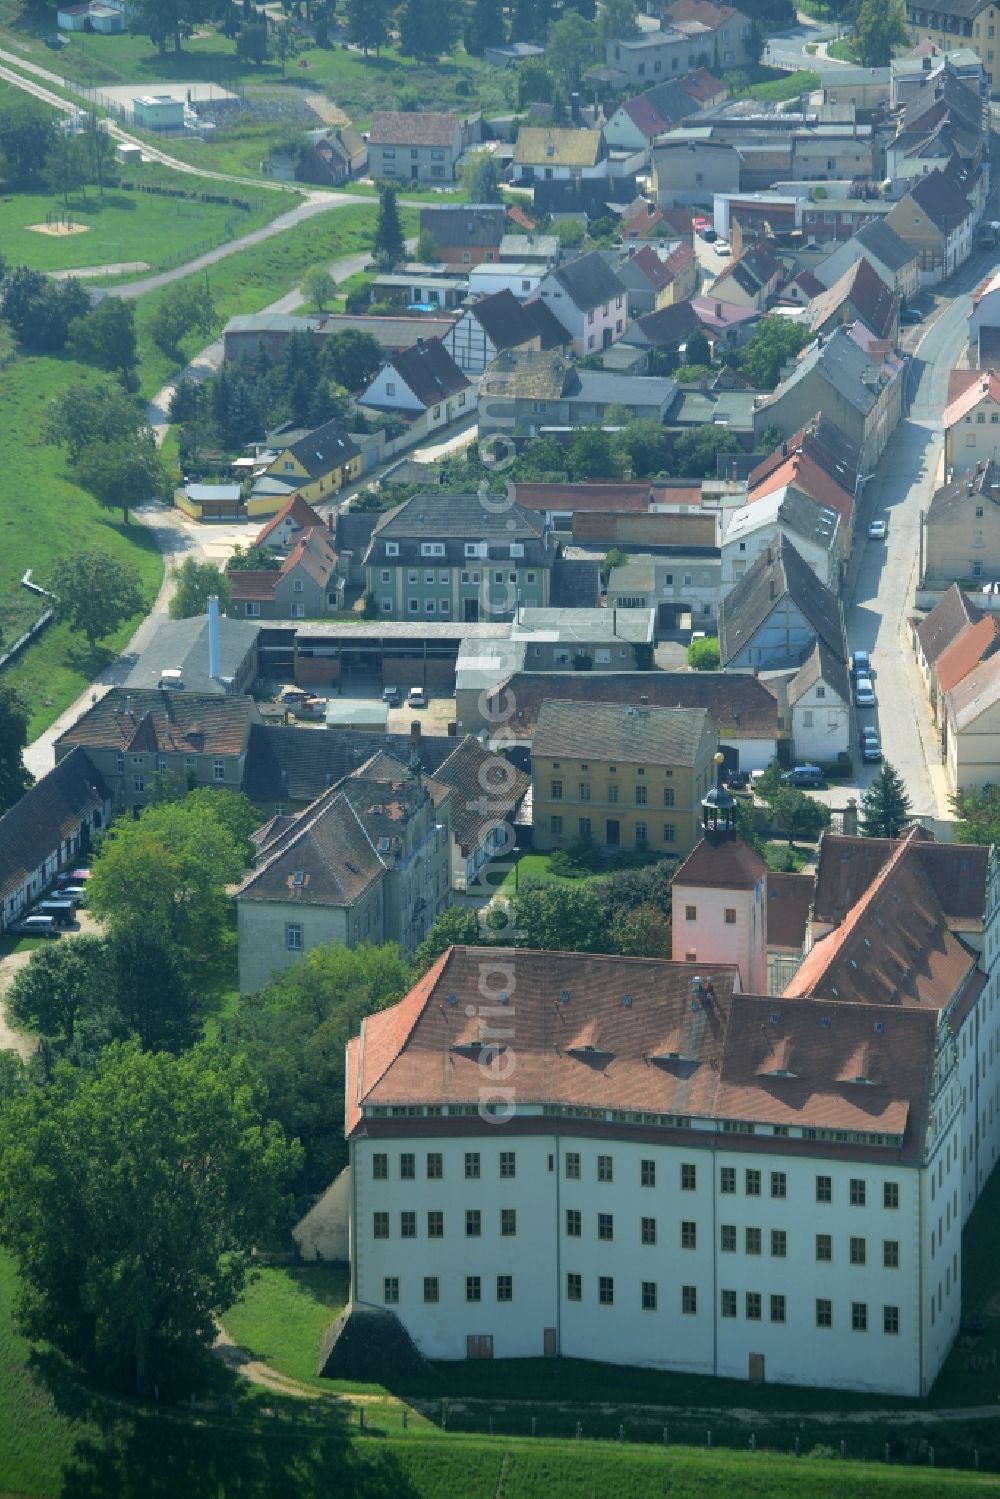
pixel 415 731
pixel 214 669
pixel 784 450
pixel 420 344
pixel 773 589
pixel 718 309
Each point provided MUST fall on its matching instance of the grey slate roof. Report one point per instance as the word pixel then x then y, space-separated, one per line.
pixel 33 829
pixel 643 735
pixel 182 644
pixel 456 519
pixel 970 489
pixel 286 764
pixel 485 786
pixel 777 571
pixel 589 281
pixel 168 721
pixel 325 858
pixel 325 448
pixel 473 226
pixel 841 362
pixel 949 617
pixel 821 665
pixel 576 583
pixel 885 244
pixel 739 704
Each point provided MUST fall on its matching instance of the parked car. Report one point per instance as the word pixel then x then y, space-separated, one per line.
pixel 871 750
pixel 864 692
pixel 416 698
pixel 390 695
pixel 911 316
pixel 803 775
pixel 877 530
pixel 36 926
pixel 76 893
pixel 723 247
pixel 861 664
pixel 63 912
pixel 739 780
pixel 708 234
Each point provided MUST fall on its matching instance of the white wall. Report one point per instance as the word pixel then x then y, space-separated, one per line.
pixel 821 726
pixel 712 939
pixel 324 1232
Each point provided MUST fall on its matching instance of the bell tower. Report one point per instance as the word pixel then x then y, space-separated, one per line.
pixel 720 894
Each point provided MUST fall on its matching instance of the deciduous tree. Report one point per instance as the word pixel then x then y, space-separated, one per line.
pixel 131 1198
pixel 183 308
pixel 368 24
pixel 26 133
pixel 977 813
pixel 775 342
pixel 61 980
pixel 105 336
pixel 696 450
pixel 318 286
pixel 881 28
pixel 15 778
pixel 617 19
pixel 88 413
pixel 571 49
pixel 195 582
pixel 591 456
pixel 95 593
pixel 120 473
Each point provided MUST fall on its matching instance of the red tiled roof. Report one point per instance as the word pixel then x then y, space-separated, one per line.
pixel 295 509
pixel 644 1035
pixel 974 643
pixel 789 897
pixel 966 388
pixel 802 472
pixel 701 85
pixel 517 215
pixel 645 116
pixel 731 865
pixel 710 15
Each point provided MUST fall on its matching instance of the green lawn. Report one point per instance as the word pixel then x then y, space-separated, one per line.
pixel 127 225
pixel 784 857
pixel 44 516
pixel 284 1314
pixel 845 49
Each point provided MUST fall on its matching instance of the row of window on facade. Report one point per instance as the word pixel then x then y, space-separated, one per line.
pixel 753 1236
pixel 649 1300
pixel 295 940
pixel 137 765
pixel 753 1177
pixel 585 829
pixel 444 576
pixel 611 793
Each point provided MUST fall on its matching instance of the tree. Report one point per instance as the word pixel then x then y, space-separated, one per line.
pixel 591 456
pixel 15 779
pixel 643 933
pixel 146 991
pixel 557 917
pixel 696 450
pixel 95 593
pixel 534 82
pixel 131 1198
pixel 531 20
pixel 65 167
pixel 571 47
pixel 253 45
pixel 389 242
pixel 885 806
pixel 121 473
pixel 99 151
pixel 61 980
pixel 628 889
pixel 455 927
pixel 26 133
pixel 697 349
pixel 194 583
pixel 160 20
pixel 428 28
pixel 166 874
pixel 88 413
pixel 703 655
pixel 105 336
pixel 613 558
pixel 800 816
pixel 643 446
pixel 881 28
pixel 480 177
pixel 977 814
pixel 775 342
pixel 183 308
pixel 253 558
pixel 368 24
pixel 569 232
pixel 486 29
pixel 617 19
pixel 294 1033
pixel 426 251
pixel 769 439
pixel 40 310
pixel 319 288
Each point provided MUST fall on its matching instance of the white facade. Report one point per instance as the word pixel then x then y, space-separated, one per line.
pixel 521 278
pixel 390 392
pixel 590 330
pixel 821 725
pixel 664 1304
pixel 758 526
pixel 723 926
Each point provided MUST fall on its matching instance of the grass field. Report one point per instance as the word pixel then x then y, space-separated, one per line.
pixel 284 1314
pixel 43 517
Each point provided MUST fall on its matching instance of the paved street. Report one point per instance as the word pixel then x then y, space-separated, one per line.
pixel 879 598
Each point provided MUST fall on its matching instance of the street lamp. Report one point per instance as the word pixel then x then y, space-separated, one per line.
pixel 516 852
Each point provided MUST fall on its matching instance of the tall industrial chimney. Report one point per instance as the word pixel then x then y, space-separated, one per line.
pixel 214 669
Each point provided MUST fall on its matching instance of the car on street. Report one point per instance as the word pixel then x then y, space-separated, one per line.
pixel 864 692
pixel 861 664
pixel 708 234
pixel 723 247
pixel 36 926
pixel 871 750
pixel 877 530
pixel 803 775
pixel 910 317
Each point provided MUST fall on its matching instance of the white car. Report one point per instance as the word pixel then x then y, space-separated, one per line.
pixel 722 247
pixel 877 530
pixel 864 692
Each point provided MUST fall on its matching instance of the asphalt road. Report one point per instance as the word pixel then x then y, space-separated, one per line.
pixel 879 599
pixel 787 49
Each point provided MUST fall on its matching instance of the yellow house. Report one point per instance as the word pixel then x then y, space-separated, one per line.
pixel 961 23
pixel 626 777
pixel 316 466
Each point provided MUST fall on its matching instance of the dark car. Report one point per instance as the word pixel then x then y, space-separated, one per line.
pixel 63 912
pixel 803 775
pixel 709 235
pixel 910 316
pixel 739 780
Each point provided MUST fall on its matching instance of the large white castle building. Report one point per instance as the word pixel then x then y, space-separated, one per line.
pixel 654 1163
